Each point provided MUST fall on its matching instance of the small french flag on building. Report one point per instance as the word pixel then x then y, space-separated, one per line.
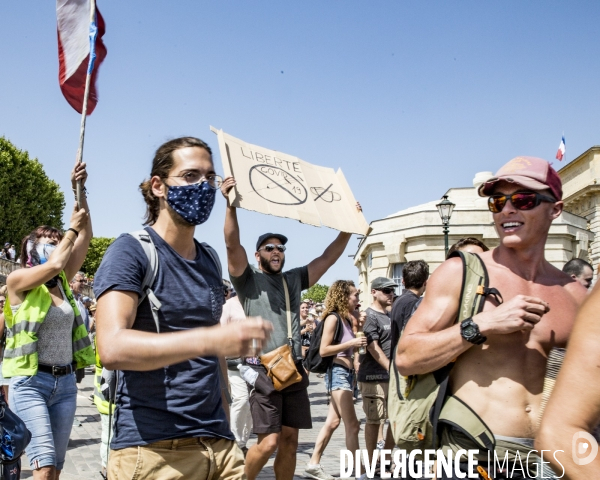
pixel 561 149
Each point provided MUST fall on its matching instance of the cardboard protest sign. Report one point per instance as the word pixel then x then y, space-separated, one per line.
pixel 279 184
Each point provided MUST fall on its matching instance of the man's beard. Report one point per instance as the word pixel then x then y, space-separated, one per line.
pixel 265 265
pixel 177 219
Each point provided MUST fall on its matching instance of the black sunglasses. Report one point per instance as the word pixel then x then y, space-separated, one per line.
pixel 387 290
pixel 269 247
pixel 520 200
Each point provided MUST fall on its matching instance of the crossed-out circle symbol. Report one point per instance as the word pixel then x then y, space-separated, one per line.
pixel 277 185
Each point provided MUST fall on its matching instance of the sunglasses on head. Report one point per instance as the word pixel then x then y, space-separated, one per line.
pixel 269 247
pixel 520 200
pixel 387 290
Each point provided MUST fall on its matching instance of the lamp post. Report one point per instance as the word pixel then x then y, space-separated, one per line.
pixel 445 208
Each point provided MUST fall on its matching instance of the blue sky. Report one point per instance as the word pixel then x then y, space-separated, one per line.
pixel 409 98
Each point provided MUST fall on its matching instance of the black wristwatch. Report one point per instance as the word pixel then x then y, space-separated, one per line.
pixel 469 330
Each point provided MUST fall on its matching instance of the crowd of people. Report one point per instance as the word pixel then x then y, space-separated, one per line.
pixel 159 352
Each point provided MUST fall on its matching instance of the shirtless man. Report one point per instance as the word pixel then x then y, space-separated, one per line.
pixel 499 373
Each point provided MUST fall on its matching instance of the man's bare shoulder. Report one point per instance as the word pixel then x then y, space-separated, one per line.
pixel 440 303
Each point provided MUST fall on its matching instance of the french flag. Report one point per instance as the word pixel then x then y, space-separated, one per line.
pixel 79 40
pixel 561 149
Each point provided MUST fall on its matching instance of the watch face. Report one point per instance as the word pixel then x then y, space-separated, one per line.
pixel 469 331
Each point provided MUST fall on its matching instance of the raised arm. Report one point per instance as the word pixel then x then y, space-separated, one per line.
pixel 237 260
pixel 318 267
pixel 82 242
pixel 122 348
pixel 574 405
pixel 24 279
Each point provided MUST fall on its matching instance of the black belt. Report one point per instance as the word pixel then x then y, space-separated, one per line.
pixel 58 370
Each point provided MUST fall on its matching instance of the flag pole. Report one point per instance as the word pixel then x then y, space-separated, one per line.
pixel 85 98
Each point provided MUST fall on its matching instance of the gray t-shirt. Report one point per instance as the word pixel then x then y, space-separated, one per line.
pixel 262 294
pixel 377 328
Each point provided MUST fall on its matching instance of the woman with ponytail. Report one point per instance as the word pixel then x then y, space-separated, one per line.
pixel 46 339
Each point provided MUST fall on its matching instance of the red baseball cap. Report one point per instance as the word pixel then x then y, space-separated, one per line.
pixel 530 172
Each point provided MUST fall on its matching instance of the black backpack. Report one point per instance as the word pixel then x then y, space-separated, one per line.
pixel 313 361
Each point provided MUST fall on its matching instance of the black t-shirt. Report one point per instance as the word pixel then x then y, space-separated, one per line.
pixel 401 311
pixel 181 400
pixel 377 328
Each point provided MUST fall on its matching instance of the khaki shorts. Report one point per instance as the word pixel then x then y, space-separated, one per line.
pixel 183 459
pixel 374 396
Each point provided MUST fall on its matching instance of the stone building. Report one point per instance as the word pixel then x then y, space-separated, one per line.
pixel 581 194
pixel 416 233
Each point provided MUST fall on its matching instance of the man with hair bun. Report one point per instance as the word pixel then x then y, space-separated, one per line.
pixel 170 421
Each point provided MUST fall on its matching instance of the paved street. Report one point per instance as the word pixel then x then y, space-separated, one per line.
pixel 83 457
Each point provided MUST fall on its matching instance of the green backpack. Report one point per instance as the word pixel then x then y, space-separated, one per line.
pixel 415 402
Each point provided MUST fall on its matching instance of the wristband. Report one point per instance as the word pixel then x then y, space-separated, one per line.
pixel 74 231
pixel 83 191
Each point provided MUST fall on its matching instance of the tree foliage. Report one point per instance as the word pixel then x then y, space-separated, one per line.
pixel 316 293
pixel 28 198
pixel 98 247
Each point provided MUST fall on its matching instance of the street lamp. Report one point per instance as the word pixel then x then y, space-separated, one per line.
pixel 445 208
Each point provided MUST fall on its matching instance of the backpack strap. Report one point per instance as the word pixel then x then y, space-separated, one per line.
pixel 145 240
pixel 338 334
pixel 475 286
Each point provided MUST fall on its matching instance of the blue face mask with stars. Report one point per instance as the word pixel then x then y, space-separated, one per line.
pixel 192 202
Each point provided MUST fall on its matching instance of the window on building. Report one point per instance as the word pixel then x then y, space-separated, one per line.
pixel 397 276
pixel 370 260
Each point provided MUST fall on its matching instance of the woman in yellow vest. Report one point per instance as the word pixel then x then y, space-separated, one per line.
pixel 46 339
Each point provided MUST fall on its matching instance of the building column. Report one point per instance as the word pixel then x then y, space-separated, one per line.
pixel 594 249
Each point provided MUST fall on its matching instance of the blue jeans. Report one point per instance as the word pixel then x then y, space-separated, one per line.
pixel 47 405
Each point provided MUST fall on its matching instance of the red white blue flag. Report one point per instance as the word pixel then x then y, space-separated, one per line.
pixel 80 50
pixel 561 149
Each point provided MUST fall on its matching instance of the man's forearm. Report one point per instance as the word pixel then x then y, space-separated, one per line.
pixel 421 353
pixel 232 228
pixel 337 247
pixel 144 351
pixel 378 354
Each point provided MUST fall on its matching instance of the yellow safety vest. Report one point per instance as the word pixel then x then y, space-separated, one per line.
pixel 101 404
pixel 20 353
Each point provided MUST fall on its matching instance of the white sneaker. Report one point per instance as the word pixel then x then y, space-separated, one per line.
pixel 316 472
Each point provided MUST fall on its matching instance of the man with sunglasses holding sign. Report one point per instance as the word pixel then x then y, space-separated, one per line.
pixel 277 415
pixel 501 353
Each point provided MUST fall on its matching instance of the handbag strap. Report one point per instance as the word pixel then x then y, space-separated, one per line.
pixel 288 312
